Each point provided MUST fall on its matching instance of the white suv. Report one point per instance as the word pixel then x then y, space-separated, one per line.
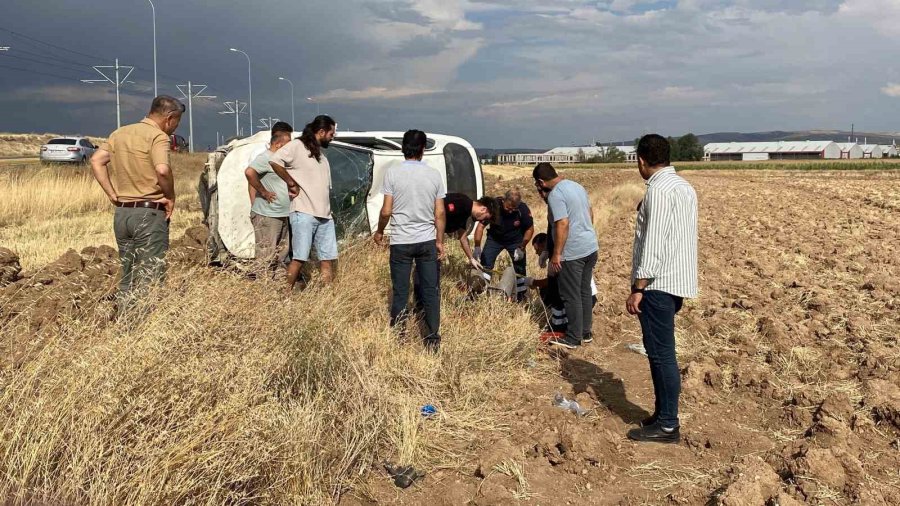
pixel 68 149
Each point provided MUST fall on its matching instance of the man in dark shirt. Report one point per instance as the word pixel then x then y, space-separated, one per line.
pixel 460 212
pixel 510 232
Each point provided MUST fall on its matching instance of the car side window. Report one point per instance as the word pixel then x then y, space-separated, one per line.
pixel 461 176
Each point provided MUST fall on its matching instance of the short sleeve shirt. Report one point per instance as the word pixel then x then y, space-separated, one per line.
pixel 510 230
pixel 135 151
pixel 415 187
pixel 313 176
pixel 458 213
pixel 569 199
pixel 272 182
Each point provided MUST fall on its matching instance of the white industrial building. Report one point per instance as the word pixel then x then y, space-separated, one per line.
pixel 777 150
pixel 888 150
pixel 872 151
pixel 850 150
pixel 565 154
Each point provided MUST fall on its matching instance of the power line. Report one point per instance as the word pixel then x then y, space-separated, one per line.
pixel 67 78
pixel 58 65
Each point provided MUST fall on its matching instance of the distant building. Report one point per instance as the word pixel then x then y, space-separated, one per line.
pixel 888 150
pixel 566 154
pixel 850 150
pixel 779 150
pixel 872 150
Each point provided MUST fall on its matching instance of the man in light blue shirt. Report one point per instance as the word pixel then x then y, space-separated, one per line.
pixel 270 203
pixel 574 252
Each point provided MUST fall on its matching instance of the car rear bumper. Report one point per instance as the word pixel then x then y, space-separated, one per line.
pixel 61 157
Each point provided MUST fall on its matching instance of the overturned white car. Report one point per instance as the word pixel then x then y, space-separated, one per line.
pixel 358 162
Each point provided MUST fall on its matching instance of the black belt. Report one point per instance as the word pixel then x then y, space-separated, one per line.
pixel 147 204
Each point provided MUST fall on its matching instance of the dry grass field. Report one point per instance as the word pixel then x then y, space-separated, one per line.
pixel 228 391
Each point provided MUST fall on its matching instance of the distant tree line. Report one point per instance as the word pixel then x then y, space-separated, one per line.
pixel 686 148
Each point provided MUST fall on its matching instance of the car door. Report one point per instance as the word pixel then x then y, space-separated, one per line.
pixel 351 180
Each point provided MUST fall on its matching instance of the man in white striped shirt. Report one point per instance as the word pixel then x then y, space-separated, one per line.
pixel 663 273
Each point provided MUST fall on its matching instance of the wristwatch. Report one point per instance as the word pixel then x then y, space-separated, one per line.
pixel 635 289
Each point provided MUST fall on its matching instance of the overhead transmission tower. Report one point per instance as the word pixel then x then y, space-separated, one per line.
pixel 190 91
pixel 266 123
pixel 237 108
pixel 117 79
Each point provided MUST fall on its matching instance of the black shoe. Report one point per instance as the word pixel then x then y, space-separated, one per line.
pixel 432 346
pixel 655 433
pixel 566 342
pixel 588 338
pixel 650 420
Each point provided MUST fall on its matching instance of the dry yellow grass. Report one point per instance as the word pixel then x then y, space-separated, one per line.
pixel 230 392
pixel 46 211
pixel 28 145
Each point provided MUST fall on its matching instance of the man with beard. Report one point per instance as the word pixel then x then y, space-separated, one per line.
pixel 304 167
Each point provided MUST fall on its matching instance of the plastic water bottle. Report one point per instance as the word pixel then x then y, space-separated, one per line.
pixel 560 401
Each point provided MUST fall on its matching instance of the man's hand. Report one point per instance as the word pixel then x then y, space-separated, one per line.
pixel 440 250
pixel 113 198
pixel 475 263
pixel 518 254
pixel 529 282
pixel 170 206
pixel 555 265
pixel 293 190
pixel 269 196
pixel 633 304
pixel 379 238
pixel 543 259
pixel 476 253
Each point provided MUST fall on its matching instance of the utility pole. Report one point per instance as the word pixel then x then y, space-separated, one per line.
pixel 293 120
pixel 249 85
pixel 118 82
pixel 190 95
pixel 155 90
pixel 236 108
pixel 266 124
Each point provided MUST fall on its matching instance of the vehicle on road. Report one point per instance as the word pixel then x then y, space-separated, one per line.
pixel 67 150
pixel 358 162
pixel 178 143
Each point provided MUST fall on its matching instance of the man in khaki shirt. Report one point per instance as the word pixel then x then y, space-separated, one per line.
pixel 133 169
pixel 305 169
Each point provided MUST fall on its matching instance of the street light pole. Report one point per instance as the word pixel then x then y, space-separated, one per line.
pixel 293 121
pixel 249 85
pixel 155 87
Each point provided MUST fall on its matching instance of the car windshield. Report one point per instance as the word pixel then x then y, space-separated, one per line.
pixel 351 177
pixel 70 142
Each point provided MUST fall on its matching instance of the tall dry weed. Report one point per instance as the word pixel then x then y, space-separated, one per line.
pixel 228 391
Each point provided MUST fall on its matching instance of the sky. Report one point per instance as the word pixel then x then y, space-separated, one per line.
pixel 500 73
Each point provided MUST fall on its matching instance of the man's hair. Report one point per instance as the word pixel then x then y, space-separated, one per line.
pixel 539 238
pixel 492 206
pixel 308 137
pixel 277 136
pixel 514 196
pixel 164 105
pixel 654 150
pixel 281 126
pixel 544 171
pixel 414 144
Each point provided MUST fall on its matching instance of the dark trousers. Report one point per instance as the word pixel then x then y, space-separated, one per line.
pixel 424 254
pixel 492 250
pixel 575 292
pixel 143 239
pixel 657 319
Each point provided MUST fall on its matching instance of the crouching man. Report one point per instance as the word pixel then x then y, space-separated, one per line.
pixel 511 232
pixel 270 204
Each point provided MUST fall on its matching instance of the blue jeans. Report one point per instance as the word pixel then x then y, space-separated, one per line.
pixel 657 319
pixel 424 254
pixel 492 250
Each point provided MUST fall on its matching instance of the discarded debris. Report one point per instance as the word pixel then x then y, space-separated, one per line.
pixel 428 410
pixel 403 476
pixel 560 401
pixel 637 348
